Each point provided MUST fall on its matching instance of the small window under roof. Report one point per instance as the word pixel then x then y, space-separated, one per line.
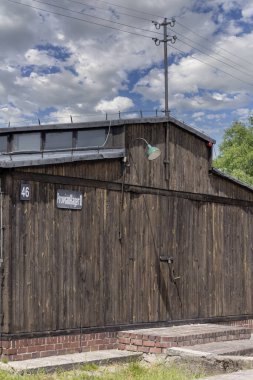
pixel 47 145
pixel 3 144
pixel 91 138
pixel 58 140
pixel 26 142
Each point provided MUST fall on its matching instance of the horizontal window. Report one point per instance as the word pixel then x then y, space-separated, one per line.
pixel 58 140
pixel 3 144
pixel 91 138
pixel 26 142
pixel 54 141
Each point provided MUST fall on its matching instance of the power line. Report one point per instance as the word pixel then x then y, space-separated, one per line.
pixel 124 31
pixel 207 39
pixel 145 30
pixel 215 53
pixel 128 8
pixel 106 8
pixel 78 19
pixel 216 59
pixel 172 40
pixel 96 17
pixel 214 67
pixel 178 22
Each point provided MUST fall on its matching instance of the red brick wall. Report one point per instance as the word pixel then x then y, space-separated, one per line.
pixel 29 348
pixel 150 341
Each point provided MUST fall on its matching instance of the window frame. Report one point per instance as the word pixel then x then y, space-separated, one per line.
pixel 107 143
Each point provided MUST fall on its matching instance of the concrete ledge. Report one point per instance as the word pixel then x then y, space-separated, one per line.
pixel 69 362
pixel 209 362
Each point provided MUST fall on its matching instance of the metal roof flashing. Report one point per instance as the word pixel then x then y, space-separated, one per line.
pixel 37 159
pixel 107 123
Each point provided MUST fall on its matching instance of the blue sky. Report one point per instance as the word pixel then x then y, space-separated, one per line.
pixel 53 66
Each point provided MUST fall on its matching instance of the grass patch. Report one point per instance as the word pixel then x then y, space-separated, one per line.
pixel 133 371
pixel 157 372
pixel 90 367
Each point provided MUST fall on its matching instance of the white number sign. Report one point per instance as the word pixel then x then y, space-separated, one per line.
pixel 25 192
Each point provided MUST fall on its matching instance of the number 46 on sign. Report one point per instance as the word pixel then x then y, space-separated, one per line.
pixel 25 192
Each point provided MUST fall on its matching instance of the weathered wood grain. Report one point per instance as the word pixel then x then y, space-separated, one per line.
pixel 100 266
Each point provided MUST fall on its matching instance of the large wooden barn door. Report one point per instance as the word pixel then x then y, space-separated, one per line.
pixel 102 265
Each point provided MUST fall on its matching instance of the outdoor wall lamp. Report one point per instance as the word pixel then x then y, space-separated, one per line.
pixel 152 152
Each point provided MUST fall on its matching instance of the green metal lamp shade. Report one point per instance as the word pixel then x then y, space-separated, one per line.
pixel 152 152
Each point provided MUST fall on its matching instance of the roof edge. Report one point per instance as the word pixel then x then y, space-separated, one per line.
pixel 84 125
pixel 192 130
pixel 107 123
pixel 230 178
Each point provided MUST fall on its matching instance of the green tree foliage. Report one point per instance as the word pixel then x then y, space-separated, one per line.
pixel 236 152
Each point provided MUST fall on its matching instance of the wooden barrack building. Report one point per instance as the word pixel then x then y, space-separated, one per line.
pixel 95 238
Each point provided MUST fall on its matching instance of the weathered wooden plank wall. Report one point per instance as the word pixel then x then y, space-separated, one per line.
pixel 100 266
pixel 188 158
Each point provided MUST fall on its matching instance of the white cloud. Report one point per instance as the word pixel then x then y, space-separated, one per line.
pixel 198 116
pixel 119 103
pixel 36 57
pixel 243 114
pixel 2 90
pixel 248 11
pixel 222 97
pixel 105 62
pixel 217 117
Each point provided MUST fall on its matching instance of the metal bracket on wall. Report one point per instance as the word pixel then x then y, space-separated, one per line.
pixel 170 261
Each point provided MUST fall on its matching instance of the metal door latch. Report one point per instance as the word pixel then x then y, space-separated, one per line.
pixel 170 261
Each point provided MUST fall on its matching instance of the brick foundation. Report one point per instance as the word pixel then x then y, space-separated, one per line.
pixel 157 342
pixel 132 340
pixel 30 348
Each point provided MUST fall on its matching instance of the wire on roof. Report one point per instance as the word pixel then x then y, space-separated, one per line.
pixel 106 116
